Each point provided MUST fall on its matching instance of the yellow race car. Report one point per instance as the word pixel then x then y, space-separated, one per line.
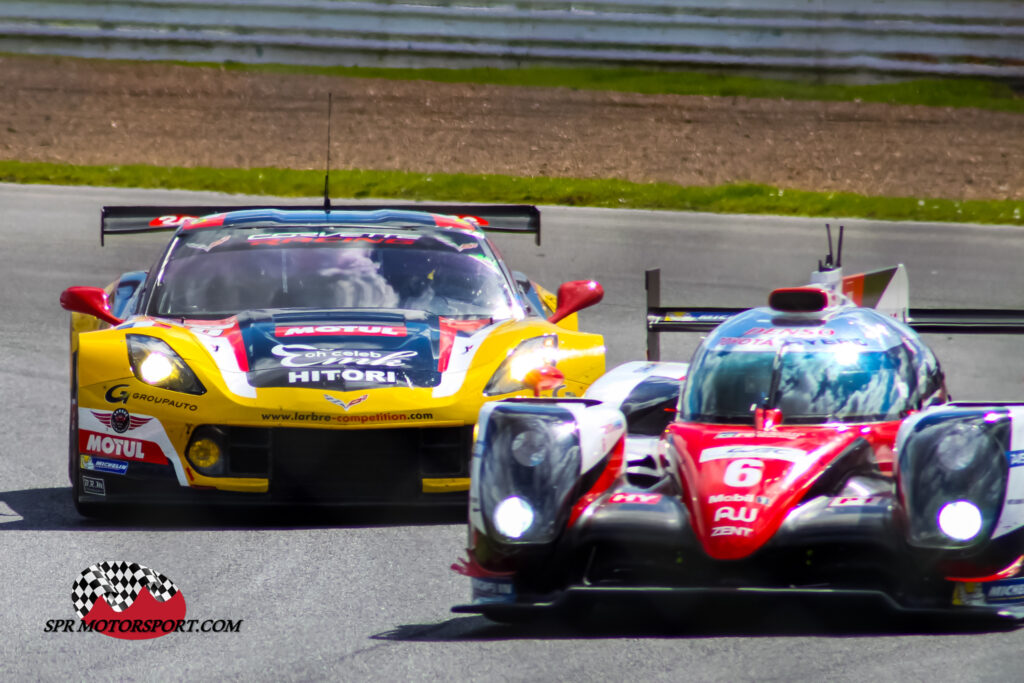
pixel 310 355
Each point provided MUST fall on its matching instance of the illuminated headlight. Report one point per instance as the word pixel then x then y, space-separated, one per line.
pixel 527 461
pixel 960 520
pixel 513 517
pixel 951 475
pixel 156 364
pixel 529 355
pixel 156 368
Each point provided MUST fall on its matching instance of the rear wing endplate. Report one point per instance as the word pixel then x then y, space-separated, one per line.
pixel 936 320
pixel 126 220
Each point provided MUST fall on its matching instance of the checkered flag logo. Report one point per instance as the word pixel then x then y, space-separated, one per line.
pixel 119 583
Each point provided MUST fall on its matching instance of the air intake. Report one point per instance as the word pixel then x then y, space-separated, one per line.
pixel 799 300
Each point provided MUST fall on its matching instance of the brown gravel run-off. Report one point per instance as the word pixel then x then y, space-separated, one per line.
pixel 96 112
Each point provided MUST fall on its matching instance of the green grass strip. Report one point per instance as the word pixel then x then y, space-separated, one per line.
pixel 933 92
pixel 620 194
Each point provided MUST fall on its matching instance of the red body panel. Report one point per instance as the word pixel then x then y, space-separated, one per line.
pixel 740 484
pixel 611 473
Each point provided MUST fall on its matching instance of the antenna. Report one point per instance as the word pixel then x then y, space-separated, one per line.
pixel 327 170
pixel 828 258
pixel 830 272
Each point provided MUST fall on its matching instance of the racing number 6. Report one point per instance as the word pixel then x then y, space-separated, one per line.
pixel 743 472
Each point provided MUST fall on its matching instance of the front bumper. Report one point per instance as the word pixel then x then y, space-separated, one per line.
pixel 293 465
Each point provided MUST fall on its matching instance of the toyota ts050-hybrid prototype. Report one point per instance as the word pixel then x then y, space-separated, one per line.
pixel 310 355
pixel 807 452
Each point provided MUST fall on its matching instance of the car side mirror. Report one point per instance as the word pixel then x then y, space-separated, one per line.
pixel 90 301
pixel 544 378
pixel 575 296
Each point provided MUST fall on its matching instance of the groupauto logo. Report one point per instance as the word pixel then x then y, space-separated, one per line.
pixel 127 600
pixel 117 394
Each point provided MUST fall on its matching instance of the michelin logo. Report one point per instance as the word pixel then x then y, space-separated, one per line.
pixel 1005 592
pixel 103 465
pixel 1016 458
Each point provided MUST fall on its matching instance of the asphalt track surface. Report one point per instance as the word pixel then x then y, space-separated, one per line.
pixel 350 597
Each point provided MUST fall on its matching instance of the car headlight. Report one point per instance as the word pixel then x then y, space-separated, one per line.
pixel 527 356
pixel 960 445
pixel 960 520
pixel 156 364
pixel 529 459
pixel 529 447
pixel 951 476
pixel 513 517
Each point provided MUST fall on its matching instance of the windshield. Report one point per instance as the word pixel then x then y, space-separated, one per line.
pixel 217 273
pixel 845 383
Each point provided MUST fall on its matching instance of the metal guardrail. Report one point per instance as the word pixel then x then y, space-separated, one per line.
pixel 982 38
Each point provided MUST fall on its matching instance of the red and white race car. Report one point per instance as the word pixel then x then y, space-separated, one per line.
pixel 808 451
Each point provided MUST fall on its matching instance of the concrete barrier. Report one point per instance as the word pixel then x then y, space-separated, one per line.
pixel 876 38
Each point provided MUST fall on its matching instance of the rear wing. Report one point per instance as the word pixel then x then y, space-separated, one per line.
pixel 884 290
pixel 126 220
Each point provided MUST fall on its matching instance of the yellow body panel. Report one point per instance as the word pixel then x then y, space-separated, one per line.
pixel 445 485
pixel 106 382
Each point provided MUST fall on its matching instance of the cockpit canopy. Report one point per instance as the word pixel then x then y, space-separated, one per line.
pixel 854 366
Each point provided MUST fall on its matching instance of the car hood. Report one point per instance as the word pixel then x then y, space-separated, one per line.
pixel 745 483
pixel 340 351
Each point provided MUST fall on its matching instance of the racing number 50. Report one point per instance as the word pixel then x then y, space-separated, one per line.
pixel 744 472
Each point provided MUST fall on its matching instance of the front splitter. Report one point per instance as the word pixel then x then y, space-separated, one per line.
pixel 683 600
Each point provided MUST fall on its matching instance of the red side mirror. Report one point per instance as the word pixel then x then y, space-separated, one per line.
pixel 575 296
pixel 90 301
pixel 544 378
